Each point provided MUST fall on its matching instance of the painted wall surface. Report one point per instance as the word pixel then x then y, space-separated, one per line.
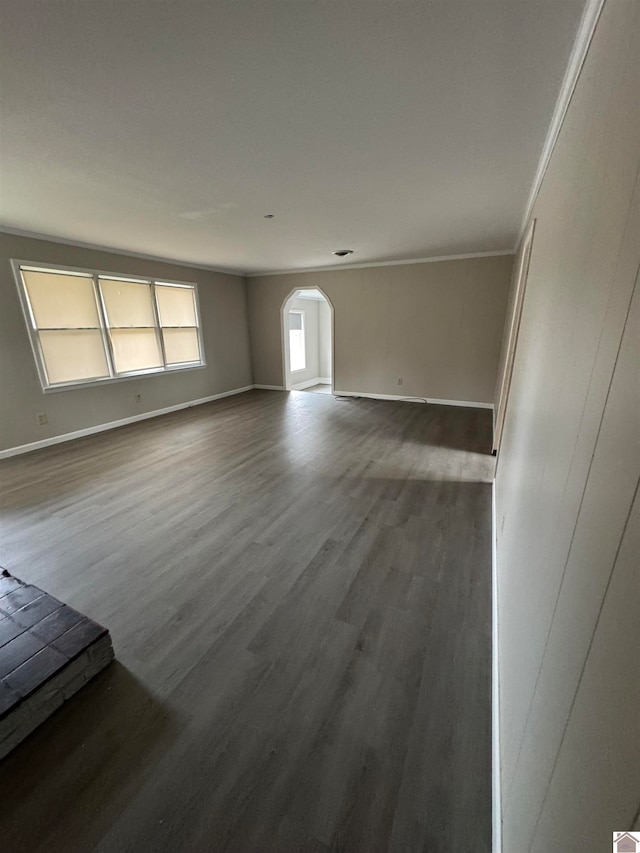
pixel 310 308
pixel 437 325
pixel 223 307
pixel 324 339
pixel 567 503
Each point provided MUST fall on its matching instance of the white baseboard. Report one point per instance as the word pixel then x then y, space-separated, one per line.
pixel 496 777
pixel 309 383
pixel 81 433
pixel 465 403
pixel 324 380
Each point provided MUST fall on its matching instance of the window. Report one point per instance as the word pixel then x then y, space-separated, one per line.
pixel 179 323
pixel 130 319
pixel 91 327
pixel 297 351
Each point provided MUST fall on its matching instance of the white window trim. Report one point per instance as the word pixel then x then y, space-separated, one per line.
pixel 34 339
pixel 304 333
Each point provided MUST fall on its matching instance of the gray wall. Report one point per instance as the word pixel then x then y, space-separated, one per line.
pixel 568 513
pixel 223 306
pixel 437 325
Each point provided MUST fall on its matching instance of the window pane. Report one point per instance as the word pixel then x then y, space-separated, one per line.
pixel 181 345
pixel 75 354
pixel 61 301
pixel 135 349
pixel 297 354
pixel 176 305
pixel 295 320
pixel 127 303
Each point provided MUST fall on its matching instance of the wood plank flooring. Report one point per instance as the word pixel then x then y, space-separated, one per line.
pixel 298 592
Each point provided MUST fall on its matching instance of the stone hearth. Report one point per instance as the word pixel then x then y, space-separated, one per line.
pixel 48 651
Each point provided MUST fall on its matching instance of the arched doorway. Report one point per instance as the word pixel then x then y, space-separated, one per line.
pixel 306 320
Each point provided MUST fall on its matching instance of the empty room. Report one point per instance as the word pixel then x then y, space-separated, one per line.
pixel 319 426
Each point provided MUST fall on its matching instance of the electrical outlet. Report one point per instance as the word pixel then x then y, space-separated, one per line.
pixel 400 380
pixel 42 418
pixel 138 398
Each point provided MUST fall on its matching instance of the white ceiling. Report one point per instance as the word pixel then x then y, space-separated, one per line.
pixel 397 129
pixel 310 293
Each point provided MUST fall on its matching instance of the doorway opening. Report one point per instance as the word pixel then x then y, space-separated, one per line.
pixel 307 341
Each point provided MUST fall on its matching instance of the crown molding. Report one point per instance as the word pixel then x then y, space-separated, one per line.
pixel 340 268
pixel 32 235
pixel 16 232
pixel 585 32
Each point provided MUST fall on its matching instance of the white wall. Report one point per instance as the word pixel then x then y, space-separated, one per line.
pixel 310 309
pixel 324 339
pixel 317 340
pixel 568 514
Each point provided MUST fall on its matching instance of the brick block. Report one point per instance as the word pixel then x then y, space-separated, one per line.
pixel 48 652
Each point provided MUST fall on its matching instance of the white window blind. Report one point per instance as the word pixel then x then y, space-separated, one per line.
pixel 66 320
pixel 177 310
pixel 90 327
pixel 132 325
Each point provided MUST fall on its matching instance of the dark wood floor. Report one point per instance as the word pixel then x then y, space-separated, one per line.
pixel 298 591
